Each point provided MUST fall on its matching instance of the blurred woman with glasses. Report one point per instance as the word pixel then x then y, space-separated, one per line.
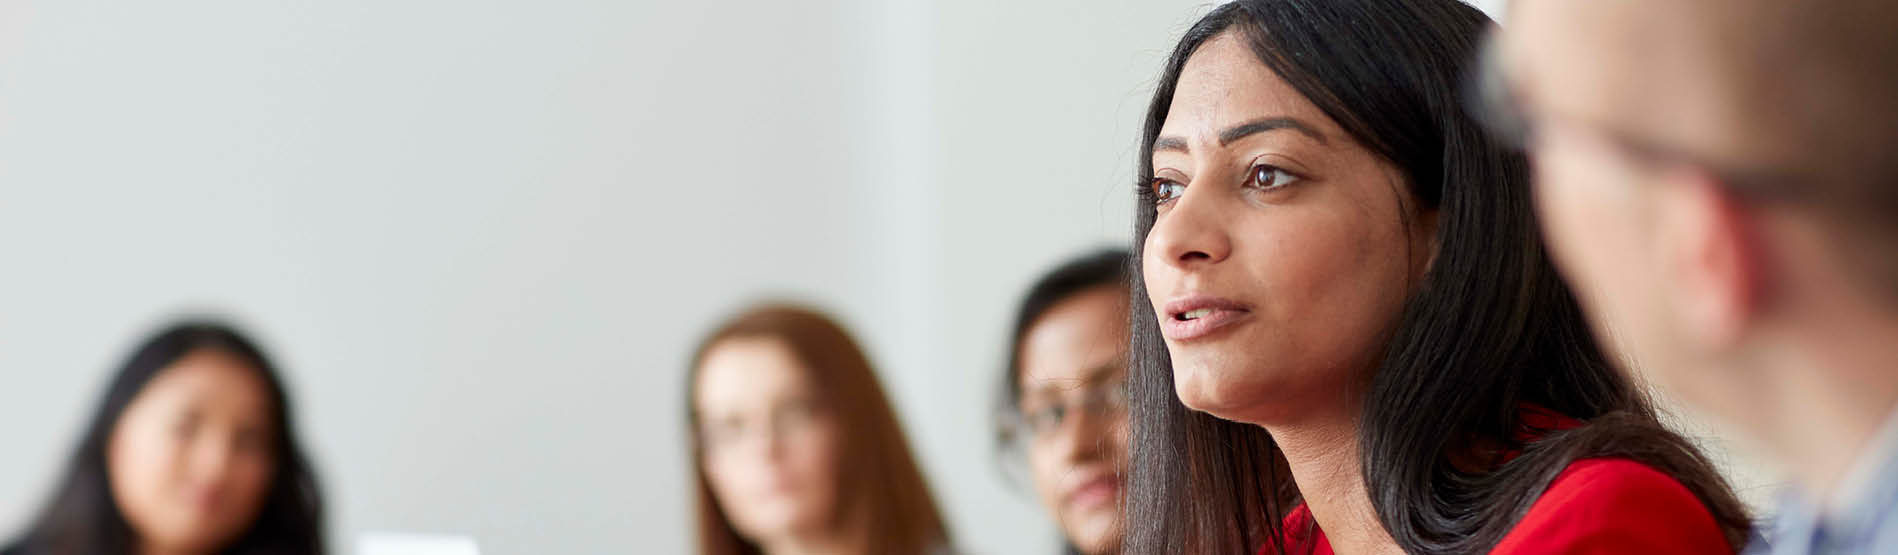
pixel 1062 409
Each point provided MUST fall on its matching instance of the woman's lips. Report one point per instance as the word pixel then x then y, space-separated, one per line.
pixel 1093 494
pixel 1198 316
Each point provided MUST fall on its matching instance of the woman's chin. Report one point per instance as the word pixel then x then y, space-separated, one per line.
pixel 1096 535
pixel 1206 390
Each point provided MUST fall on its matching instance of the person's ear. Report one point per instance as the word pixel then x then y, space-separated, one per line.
pixel 1432 242
pixel 1709 256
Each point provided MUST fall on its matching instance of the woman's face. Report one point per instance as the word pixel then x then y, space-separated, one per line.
pixel 1072 406
pixel 1282 251
pixel 770 446
pixel 192 458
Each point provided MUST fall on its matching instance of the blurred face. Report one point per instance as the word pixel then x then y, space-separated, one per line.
pixel 1282 251
pixel 1072 406
pixel 770 446
pixel 191 458
pixel 1584 74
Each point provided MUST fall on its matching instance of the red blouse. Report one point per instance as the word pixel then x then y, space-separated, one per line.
pixel 1606 506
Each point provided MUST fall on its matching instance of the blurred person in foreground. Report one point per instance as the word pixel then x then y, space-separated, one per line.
pixel 1063 403
pixel 1715 177
pixel 191 451
pixel 796 447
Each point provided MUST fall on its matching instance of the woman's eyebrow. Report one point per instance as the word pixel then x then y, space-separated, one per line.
pixel 1102 372
pixel 1262 125
pixel 1243 130
pixel 1054 386
pixel 1170 144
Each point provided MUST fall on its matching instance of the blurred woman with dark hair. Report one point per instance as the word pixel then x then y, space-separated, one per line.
pixel 1063 403
pixel 796 447
pixel 192 450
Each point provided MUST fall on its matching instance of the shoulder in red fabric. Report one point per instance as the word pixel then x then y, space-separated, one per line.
pixel 1301 535
pixel 1602 506
pixel 1614 506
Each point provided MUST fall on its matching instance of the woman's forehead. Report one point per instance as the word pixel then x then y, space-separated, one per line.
pixel 746 372
pixel 214 378
pixel 1225 83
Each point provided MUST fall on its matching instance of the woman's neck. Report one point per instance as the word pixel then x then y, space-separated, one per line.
pixel 1839 391
pixel 1323 456
pixel 149 548
pixel 847 539
pixel 813 545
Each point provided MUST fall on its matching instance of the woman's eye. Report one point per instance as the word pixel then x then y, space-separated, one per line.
pixel 1269 177
pixel 1045 420
pixel 250 441
pixel 1166 190
pixel 796 413
pixel 184 428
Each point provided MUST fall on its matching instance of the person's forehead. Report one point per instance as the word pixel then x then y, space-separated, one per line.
pixel 209 375
pixel 1224 82
pixel 746 372
pixel 1659 72
pixel 1637 70
pixel 1592 59
pixel 1085 329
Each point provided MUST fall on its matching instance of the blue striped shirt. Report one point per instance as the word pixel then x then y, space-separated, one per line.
pixel 1863 514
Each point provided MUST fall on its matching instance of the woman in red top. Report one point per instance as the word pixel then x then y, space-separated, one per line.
pixel 1346 332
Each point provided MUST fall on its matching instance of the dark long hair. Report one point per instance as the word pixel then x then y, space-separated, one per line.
pixel 1489 329
pixel 81 517
pixel 879 476
pixel 1107 267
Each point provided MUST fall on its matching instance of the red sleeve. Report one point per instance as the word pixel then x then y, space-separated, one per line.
pixel 1615 506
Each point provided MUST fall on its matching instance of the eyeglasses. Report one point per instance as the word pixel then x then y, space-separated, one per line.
pixel 785 421
pixel 1040 420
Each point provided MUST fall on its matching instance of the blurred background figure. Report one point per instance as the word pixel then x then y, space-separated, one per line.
pixel 1716 178
pixel 796 447
pixel 192 450
pixel 1063 407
